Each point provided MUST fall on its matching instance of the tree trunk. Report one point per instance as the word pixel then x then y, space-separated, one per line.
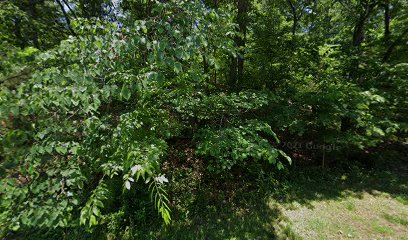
pixel 358 35
pixel 295 17
pixel 391 48
pixel 32 10
pixel 233 73
pixel 20 40
pixel 205 64
pixel 387 19
pixel 237 64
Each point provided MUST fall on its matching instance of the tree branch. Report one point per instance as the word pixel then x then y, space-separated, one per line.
pixel 66 17
pixel 70 9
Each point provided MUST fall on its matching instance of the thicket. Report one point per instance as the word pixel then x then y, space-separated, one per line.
pixel 98 96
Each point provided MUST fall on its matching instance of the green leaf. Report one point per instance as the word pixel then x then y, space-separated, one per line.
pixel 127 185
pixel 98 44
pixel 285 156
pixel 93 221
pixel 378 131
pixel 61 149
pixel 178 67
pixel 125 93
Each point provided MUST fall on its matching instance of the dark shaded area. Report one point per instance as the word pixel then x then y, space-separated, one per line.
pixel 387 172
pixel 206 208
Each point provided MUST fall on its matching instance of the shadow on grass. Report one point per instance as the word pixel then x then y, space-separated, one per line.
pixel 325 184
pixel 222 211
pixel 226 222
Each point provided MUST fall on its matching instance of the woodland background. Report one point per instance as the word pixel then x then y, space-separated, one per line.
pixel 142 119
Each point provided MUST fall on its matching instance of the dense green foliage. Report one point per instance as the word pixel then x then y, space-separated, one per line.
pixel 91 115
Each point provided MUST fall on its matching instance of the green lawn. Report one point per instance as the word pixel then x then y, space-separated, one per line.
pixel 364 217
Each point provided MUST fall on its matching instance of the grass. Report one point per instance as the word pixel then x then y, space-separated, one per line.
pixel 396 219
pixel 329 219
pixel 382 229
pixel 350 205
pixel 403 198
pixel 367 204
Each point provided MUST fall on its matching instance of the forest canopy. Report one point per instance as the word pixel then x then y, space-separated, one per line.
pixel 98 98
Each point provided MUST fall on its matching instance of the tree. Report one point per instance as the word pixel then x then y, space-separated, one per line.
pixel 97 99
